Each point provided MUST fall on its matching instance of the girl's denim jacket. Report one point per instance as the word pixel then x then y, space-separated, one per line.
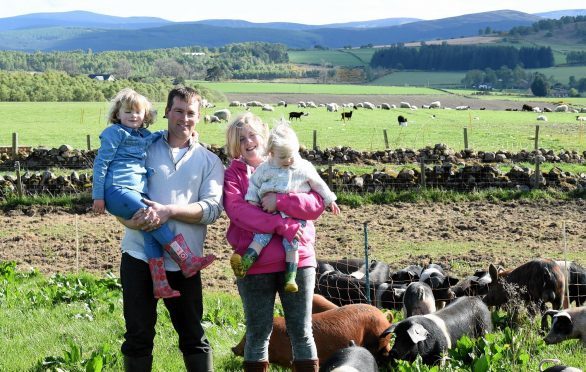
pixel 121 159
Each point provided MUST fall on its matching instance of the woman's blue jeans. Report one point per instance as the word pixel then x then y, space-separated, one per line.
pixel 258 293
pixel 123 202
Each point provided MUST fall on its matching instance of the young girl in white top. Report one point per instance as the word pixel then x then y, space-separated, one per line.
pixel 120 185
pixel 283 172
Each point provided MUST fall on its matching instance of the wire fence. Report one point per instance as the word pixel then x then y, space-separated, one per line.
pixel 367 276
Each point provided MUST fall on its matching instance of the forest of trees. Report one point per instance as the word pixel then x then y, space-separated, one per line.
pixel 550 25
pixel 53 86
pixel 461 57
pixel 253 60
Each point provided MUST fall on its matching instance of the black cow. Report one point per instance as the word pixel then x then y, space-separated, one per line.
pixel 346 115
pixel 296 115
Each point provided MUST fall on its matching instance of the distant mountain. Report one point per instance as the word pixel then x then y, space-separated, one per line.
pixel 300 27
pixel 562 13
pixel 110 35
pixel 80 19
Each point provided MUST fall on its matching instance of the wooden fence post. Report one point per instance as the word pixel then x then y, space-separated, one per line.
pixel 330 175
pixel 14 145
pixel 89 142
pixel 18 179
pixel 315 139
pixel 386 139
pixel 465 138
pixel 536 137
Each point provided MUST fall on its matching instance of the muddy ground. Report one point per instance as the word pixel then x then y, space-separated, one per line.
pixel 460 236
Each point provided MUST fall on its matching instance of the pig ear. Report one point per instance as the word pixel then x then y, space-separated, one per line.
pixel 417 333
pixel 492 271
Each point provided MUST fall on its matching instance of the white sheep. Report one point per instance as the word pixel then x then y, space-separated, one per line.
pixel 332 107
pixel 462 107
pixel 536 109
pixel 385 106
pixel 368 105
pixel 561 108
pixel 404 105
pixel 435 104
pixel 234 104
pixel 223 114
pixel 301 104
pixel 268 108
pixel 282 103
pixel 542 118
pixel 211 119
pixel 581 119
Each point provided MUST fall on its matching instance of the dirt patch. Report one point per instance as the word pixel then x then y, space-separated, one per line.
pixel 461 236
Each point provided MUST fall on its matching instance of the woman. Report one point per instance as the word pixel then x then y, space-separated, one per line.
pixel 246 139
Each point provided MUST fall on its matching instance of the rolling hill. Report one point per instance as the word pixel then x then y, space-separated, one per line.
pixel 101 33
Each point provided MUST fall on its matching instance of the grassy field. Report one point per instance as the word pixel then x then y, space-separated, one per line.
pixel 256 87
pixel 421 78
pixel 54 124
pixel 335 57
pixel 74 323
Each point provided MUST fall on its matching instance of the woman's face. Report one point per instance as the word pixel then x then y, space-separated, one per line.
pixel 252 147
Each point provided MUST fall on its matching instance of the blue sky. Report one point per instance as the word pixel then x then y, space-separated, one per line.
pixel 300 11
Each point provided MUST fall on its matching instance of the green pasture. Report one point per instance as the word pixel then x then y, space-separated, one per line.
pixel 335 57
pixel 421 79
pixel 562 74
pixel 54 124
pixel 345 89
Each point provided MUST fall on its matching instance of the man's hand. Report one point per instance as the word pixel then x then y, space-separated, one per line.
pixel 99 206
pixel 157 211
pixel 269 202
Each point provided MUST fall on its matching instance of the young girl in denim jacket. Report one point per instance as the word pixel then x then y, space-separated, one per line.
pixel 119 185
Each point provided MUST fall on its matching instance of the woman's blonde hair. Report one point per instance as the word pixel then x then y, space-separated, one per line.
pixel 283 138
pixel 128 98
pixel 246 120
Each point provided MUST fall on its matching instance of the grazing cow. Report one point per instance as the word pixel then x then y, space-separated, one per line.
pixel 332 330
pixel 297 115
pixel 418 300
pixel 346 115
pixel 538 281
pixel 565 325
pixel 350 359
pixel 402 120
pixel 527 107
pixel 433 334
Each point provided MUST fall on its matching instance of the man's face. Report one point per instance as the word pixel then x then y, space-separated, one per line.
pixel 181 119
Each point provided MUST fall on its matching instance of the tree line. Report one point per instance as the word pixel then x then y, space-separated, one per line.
pixel 58 86
pixel 461 57
pixel 253 60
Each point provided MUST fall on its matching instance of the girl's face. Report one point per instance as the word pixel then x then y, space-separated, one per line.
pixel 252 147
pixel 131 117
pixel 282 158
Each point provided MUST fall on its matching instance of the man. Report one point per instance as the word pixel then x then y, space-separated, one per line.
pixel 186 190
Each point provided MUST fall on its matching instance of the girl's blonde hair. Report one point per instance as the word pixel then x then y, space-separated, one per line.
pixel 283 139
pixel 246 120
pixel 128 98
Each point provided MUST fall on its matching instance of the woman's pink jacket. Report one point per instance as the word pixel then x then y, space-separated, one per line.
pixel 246 218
